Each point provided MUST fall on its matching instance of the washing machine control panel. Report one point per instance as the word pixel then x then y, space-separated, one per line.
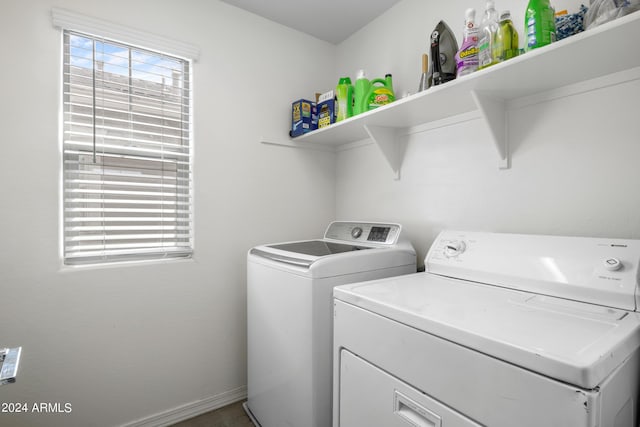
pixel 364 232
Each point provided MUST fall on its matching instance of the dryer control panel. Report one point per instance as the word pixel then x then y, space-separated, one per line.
pixel 595 270
pixel 364 232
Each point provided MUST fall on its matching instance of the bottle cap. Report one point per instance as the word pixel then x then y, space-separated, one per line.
pixel 361 74
pixel 470 14
pixel 505 15
pixel 344 81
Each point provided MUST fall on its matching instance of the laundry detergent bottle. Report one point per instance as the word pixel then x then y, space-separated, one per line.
pixel 467 56
pixel 344 96
pixel 360 92
pixel 380 92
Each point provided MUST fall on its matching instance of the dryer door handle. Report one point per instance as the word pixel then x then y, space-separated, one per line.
pixel 415 413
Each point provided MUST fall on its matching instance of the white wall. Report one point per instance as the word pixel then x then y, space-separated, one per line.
pixel 574 159
pixel 131 342
pixel 121 344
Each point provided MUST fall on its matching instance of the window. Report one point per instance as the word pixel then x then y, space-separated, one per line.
pixel 127 174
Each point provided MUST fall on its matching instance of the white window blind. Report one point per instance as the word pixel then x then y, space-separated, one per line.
pixel 127 157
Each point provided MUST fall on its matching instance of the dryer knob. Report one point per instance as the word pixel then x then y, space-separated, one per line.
pixel 356 232
pixel 454 248
pixel 612 264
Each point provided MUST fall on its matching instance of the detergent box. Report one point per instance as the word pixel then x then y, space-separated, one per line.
pixel 326 109
pixel 303 117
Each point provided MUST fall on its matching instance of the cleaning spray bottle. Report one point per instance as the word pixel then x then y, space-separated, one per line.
pixel 360 93
pixel 344 96
pixel 539 24
pixel 467 56
pixel 488 30
pixel 380 92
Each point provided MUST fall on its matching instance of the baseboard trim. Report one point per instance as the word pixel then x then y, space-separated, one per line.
pixel 191 410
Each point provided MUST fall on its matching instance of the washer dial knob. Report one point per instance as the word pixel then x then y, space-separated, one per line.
pixel 356 232
pixel 454 248
pixel 612 264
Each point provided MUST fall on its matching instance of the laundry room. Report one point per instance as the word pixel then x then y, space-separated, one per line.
pixel 131 244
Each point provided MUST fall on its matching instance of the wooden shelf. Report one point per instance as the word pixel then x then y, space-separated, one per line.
pixel 601 51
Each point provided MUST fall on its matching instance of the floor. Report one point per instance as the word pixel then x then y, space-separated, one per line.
pixel 229 416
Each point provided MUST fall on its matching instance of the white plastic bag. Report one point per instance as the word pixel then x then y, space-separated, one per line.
pixel 601 11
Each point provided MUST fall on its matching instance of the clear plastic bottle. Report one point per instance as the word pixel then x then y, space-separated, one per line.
pixel 467 56
pixel 488 30
pixel 506 45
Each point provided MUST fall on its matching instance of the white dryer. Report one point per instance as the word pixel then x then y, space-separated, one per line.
pixel 290 315
pixel 502 330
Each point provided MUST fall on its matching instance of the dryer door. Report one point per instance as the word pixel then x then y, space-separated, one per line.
pixel 371 397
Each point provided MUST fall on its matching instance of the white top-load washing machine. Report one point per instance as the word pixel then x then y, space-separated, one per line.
pixel 502 330
pixel 290 315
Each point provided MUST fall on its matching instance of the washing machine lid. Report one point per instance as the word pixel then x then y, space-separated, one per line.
pixel 323 258
pixel 317 247
pixel 347 247
pixel 574 342
pixel 304 253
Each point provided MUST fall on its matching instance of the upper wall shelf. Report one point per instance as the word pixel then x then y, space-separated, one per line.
pixel 601 51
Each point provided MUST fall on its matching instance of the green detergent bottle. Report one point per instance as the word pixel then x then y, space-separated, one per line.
pixel 360 93
pixel 344 96
pixel 380 93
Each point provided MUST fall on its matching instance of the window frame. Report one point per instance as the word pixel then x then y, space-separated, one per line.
pixel 61 20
